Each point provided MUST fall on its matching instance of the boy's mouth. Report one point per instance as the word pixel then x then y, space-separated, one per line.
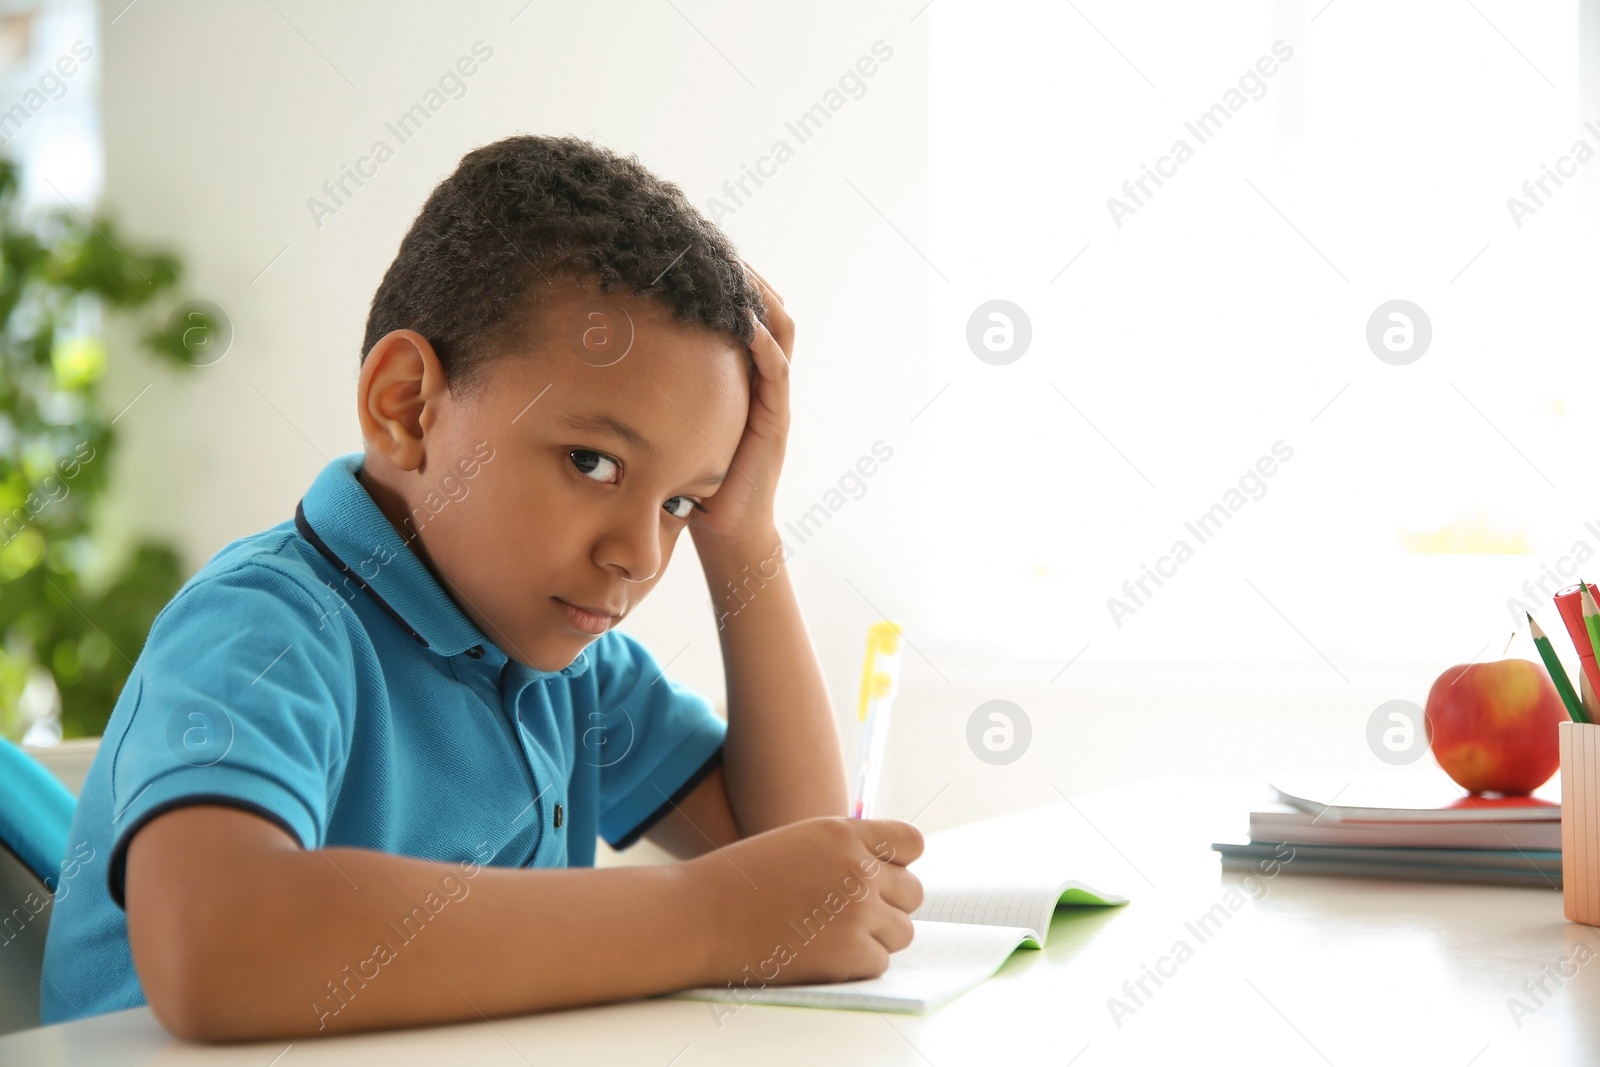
pixel 593 621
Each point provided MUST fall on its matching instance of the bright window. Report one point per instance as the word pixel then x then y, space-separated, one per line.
pixel 1366 158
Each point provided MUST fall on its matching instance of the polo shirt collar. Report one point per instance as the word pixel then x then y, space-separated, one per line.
pixel 358 538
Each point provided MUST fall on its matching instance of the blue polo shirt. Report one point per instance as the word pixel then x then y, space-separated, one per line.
pixel 317 675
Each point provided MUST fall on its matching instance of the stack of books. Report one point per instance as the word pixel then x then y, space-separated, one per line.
pixel 1416 827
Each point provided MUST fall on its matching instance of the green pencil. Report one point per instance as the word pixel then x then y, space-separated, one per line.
pixel 1558 674
pixel 1591 618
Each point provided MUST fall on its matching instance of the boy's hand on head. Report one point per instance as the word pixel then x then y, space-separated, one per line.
pixel 741 510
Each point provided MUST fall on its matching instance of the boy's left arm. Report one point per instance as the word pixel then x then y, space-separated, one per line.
pixel 781 760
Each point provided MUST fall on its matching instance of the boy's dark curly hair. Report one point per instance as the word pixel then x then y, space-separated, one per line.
pixel 529 208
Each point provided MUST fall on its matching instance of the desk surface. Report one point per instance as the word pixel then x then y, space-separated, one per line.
pixel 1291 969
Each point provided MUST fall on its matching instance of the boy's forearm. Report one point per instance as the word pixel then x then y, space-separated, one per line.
pixel 781 758
pixel 341 939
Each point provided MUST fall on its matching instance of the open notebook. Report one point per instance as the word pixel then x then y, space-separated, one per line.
pixel 963 935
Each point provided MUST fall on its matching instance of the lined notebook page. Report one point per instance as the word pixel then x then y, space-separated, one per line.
pixel 943 960
pixel 1027 906
pixel 1020 906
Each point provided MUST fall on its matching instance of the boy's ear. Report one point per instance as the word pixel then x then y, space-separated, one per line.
pixel 399 395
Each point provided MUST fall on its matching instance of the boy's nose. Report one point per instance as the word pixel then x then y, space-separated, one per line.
pixel 633 548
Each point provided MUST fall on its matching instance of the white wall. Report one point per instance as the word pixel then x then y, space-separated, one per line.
pixel 222 120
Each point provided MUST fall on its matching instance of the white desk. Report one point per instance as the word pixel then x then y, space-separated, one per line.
pixel 1307 970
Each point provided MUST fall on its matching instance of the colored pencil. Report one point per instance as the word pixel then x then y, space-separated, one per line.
pixel 1591 619
pixel 1569 602
pixel 1558 674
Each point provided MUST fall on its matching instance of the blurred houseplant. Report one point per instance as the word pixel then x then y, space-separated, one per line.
pixel 69 620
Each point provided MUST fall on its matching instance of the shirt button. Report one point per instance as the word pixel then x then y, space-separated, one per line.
pixel 476 651
pixel 558 816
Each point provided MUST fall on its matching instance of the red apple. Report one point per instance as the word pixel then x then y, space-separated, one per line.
pixel 1493 726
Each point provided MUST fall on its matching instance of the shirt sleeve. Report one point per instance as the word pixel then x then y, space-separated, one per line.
pixel 670 734
pixel 243 688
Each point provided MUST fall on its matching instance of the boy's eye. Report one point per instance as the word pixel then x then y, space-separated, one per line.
pixel 596 465
pixel 602 468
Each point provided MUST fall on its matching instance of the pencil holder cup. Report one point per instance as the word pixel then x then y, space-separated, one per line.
pixel 1580 821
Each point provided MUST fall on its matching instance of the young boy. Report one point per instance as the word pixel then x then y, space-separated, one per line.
pixel 356 776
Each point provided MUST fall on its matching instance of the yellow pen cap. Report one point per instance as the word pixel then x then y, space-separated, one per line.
pixel 883 638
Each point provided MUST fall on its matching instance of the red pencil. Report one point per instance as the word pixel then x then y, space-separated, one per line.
pixel 1570 603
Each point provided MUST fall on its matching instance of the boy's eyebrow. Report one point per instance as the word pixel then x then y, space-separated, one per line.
pixel 600 422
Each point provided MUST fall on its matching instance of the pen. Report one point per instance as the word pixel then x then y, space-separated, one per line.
pixel 879 675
